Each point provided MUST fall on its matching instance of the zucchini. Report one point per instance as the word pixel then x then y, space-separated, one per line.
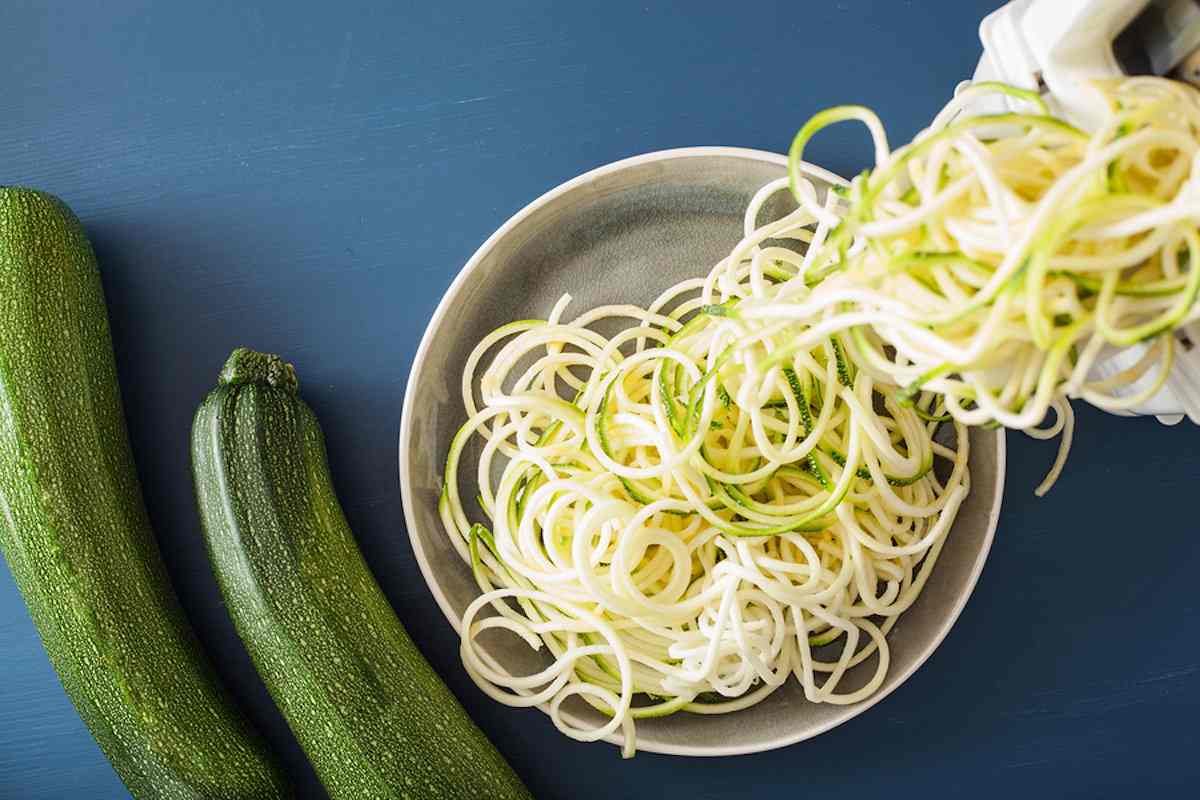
pixel 77 538
pixel 369 711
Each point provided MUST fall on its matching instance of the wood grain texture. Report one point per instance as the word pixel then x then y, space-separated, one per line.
pixel 308 178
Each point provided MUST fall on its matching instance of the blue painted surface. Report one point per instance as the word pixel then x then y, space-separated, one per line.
pixel 309 180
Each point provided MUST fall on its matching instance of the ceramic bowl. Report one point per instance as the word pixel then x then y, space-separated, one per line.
pixel 618 234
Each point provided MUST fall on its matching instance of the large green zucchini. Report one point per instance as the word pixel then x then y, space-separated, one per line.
pixel 75 532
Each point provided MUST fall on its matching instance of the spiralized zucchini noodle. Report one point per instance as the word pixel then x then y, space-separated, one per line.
pixel 998 257
pixel 754 478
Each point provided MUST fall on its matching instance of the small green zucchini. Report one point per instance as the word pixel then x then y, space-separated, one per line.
pixel 369 711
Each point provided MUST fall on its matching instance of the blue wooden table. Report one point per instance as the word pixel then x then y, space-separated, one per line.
pixel 308 177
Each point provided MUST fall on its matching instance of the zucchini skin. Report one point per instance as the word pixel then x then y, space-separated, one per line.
pixel 75 533
pixel 371 714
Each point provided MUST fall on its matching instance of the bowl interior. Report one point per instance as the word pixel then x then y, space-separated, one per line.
pixel 622 234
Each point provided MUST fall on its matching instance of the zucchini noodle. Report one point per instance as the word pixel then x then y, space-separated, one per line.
pixel 1000 257
pixel 756 475
pixel 681 523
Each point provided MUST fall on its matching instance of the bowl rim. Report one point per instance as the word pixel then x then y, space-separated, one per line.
pixel 406 427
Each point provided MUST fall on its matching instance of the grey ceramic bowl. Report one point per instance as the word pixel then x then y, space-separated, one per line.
pixel 622 233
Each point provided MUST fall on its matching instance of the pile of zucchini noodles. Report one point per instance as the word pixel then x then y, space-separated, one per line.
pixel 740 486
